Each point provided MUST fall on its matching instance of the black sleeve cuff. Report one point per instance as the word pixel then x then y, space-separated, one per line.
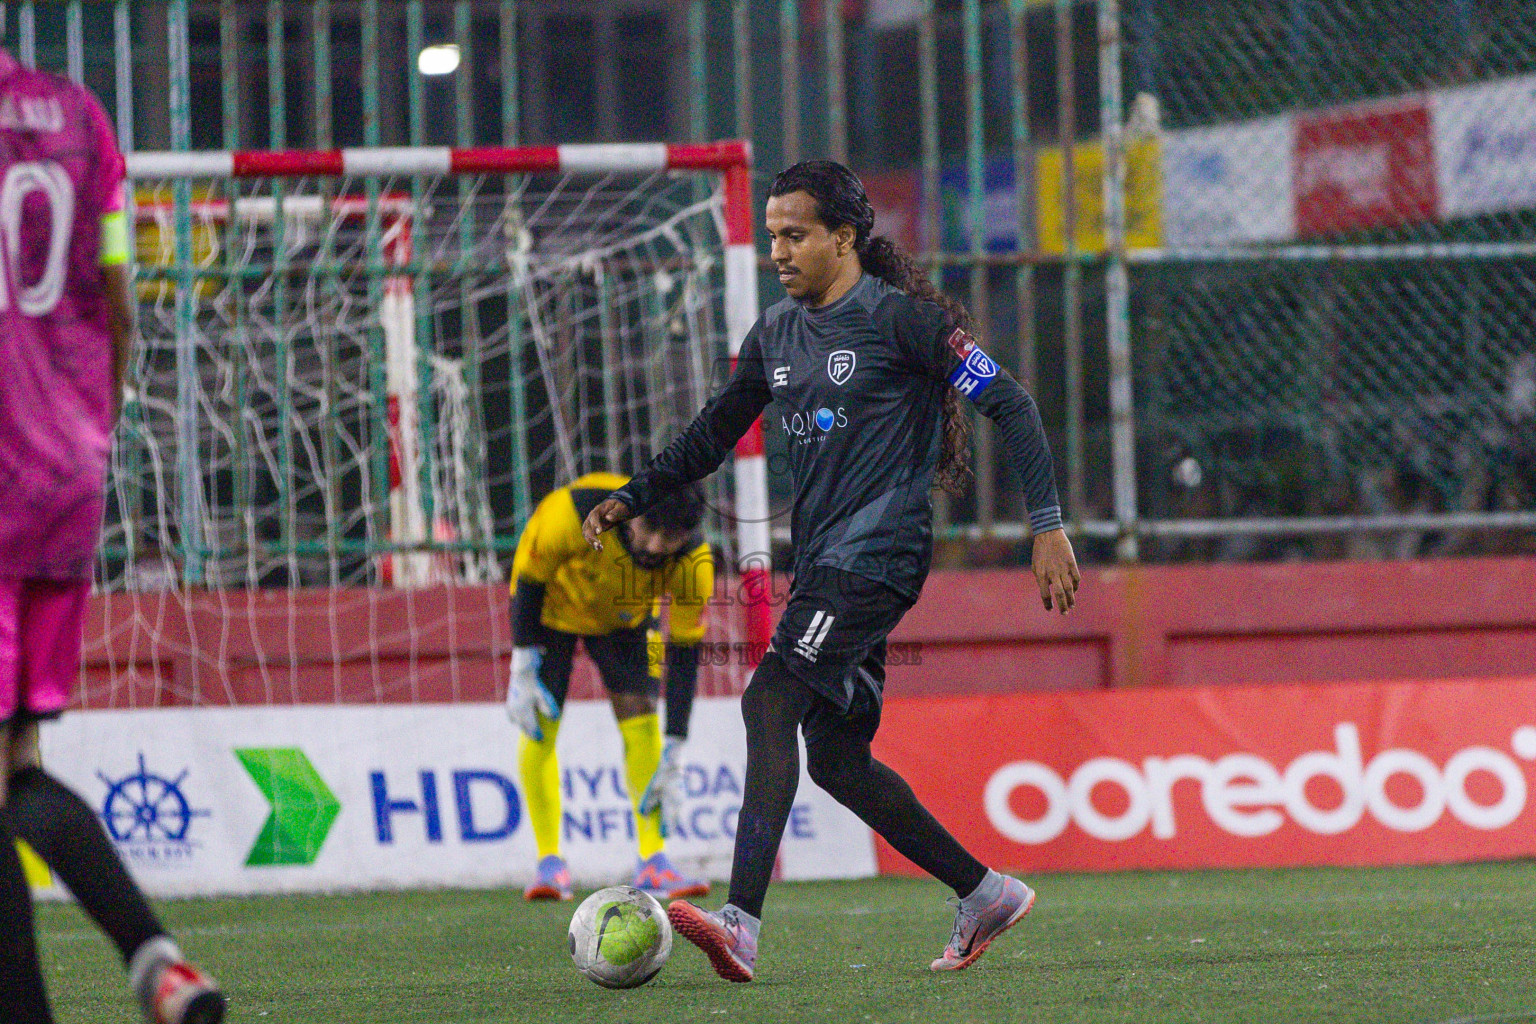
pixel 633 497
pixel 527 611
pixel 1044 520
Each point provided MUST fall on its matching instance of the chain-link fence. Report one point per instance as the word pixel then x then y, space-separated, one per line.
pixel 1337 325
pixel 1298 326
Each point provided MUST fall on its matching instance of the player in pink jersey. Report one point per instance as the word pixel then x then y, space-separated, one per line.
pixel 66 331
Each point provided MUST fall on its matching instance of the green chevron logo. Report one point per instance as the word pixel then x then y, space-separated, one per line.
pixel 303 806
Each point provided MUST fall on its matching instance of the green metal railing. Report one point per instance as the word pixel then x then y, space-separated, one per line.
pixel 982 88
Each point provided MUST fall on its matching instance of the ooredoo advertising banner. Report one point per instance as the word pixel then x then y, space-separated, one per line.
pixel 1241 776
pixel 210 801
pixel 1364 167
pixel 286 799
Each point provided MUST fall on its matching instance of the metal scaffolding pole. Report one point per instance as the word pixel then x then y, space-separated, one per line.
pixel 975 167
pixel 789 79
pixel 1023 157
pixel 837 90
pixel 189 478
pixel 1117 310
pixel 1072 271
pixel 741 37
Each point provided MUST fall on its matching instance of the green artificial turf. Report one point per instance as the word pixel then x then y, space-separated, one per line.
pixel 1395 945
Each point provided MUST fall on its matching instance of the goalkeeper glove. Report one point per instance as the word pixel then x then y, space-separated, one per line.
pixel 665 791
pixel 527 697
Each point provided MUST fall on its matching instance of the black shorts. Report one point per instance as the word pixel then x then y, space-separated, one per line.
pixel 832 637
pixel 622 659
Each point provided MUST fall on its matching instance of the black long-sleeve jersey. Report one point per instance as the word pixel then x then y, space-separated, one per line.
pixel 858 388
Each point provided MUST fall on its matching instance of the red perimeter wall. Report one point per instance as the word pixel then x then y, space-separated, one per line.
pixel 985 632
pixel 973 632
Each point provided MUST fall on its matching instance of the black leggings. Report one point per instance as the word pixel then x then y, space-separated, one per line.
pixel 839 762
pixel 23 999
pixel 67 834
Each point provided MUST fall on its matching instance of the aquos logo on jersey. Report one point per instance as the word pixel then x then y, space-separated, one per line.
pixel 813 425
pixel 976 370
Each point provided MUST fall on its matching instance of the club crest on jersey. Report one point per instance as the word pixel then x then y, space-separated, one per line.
pixel 840 365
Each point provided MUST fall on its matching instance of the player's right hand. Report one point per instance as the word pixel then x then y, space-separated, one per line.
pixel 610 512
pixel 527 698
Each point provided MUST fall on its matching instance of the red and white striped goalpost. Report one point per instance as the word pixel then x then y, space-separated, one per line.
pixel 730 159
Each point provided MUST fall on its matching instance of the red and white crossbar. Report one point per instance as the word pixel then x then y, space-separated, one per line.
pixel 597 158
pixel 730 158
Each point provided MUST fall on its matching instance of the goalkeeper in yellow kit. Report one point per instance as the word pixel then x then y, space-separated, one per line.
pixel 563 590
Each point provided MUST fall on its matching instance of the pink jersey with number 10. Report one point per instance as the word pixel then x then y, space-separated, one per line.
pixel 60 172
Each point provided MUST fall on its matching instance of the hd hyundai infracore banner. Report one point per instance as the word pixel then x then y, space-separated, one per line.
pixel 305 798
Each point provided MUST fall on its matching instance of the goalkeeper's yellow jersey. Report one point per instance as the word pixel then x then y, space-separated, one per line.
pixel 592 593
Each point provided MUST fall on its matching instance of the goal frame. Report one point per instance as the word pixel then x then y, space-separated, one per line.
pixel 730 159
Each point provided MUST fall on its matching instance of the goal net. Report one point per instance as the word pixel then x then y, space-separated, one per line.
pixel 360 370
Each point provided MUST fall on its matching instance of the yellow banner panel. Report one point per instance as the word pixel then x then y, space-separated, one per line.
pixel 1143 219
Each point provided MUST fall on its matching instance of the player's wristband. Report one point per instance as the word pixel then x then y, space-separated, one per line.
pixel 527 613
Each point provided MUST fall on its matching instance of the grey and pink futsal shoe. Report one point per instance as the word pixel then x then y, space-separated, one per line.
pixel 724 938
pixel 170 990
pixel 974 931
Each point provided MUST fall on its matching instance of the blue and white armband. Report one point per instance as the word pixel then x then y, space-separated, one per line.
pixel 976 370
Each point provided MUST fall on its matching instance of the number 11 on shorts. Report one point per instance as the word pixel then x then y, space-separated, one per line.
pixel 809 645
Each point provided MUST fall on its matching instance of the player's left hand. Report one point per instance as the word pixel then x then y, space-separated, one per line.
pixel 610 512
pixel 1056 570
pixel 665 791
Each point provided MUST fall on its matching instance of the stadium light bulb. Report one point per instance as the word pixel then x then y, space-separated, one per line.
pixel 438 60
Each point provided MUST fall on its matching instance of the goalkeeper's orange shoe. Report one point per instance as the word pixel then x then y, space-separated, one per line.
pixel 170 990
pixel 551 882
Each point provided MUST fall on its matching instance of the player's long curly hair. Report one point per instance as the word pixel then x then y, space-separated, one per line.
pixel 841 199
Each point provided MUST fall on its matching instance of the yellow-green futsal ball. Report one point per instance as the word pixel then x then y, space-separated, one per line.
pixel 620 937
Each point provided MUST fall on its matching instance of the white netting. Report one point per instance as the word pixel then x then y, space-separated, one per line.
pixel 348 401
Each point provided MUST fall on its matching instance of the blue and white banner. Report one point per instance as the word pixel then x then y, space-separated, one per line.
pixel 304 799
pixel 1485 147
pixel 1229 184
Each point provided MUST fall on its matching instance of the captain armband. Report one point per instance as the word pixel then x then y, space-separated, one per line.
pixel 976 370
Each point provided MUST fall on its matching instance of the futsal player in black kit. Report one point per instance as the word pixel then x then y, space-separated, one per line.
pixel 864 364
